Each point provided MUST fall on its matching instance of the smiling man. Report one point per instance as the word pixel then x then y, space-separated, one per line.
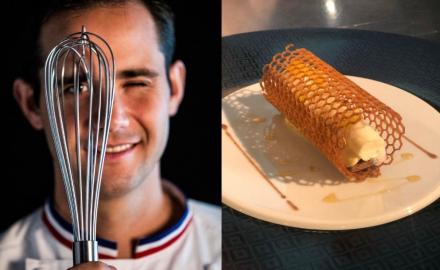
pixel 144 222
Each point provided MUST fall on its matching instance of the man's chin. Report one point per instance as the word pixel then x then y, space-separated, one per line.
pixel 113 192
pixel 117 183
pixel 116 187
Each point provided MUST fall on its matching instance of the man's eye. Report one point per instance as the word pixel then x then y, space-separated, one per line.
pixel 70 89
pixel 136 84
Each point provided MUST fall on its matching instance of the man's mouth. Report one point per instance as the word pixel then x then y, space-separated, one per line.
pixel 119 148
pixel 117 151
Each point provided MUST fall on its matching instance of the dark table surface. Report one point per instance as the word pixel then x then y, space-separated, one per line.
pixel 409 243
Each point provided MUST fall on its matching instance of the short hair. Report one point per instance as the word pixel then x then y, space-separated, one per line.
pixel 33 59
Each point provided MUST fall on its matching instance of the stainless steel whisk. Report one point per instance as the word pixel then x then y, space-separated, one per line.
pixel 79 93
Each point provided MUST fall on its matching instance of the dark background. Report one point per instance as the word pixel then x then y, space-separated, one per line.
pixel 192 157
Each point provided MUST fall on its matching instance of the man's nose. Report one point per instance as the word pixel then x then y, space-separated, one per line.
pixel 119 118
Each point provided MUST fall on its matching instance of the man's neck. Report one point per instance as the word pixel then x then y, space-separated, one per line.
pixel 142 211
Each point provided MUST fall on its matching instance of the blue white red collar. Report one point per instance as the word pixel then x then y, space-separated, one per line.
pixel 62 231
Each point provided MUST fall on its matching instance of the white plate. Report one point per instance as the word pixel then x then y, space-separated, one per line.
pixel 325 200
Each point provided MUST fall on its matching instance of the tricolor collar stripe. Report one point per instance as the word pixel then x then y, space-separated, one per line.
pixel 58 227
pixel 164 245
pixel 65 229
pixel 103 253
pixel 54 222
pixel 168 232
pixel 106 252
pixel 67 243
pixel 50 208
pixel 107 243
pixel 177 231
pixel 62 231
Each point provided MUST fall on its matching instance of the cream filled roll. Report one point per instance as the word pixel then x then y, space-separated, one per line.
pixel 353 129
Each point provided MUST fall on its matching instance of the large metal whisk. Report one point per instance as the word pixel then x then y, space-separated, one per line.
pixel 79 93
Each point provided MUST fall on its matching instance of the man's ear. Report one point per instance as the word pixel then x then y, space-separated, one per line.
pixel 177 75
pixel 24 95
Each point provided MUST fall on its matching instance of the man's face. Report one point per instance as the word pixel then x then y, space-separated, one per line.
pixel 142 104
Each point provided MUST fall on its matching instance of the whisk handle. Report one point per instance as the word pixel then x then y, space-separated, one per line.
pixel 85 251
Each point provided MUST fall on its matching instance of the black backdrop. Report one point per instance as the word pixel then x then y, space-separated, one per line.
pixel 192 157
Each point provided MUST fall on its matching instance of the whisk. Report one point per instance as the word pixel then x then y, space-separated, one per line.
pixel 79 93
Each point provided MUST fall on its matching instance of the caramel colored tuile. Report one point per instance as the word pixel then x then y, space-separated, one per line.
pixel 321 103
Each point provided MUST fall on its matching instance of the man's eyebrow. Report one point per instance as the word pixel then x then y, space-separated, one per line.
pixel 69 79
pixel 139 72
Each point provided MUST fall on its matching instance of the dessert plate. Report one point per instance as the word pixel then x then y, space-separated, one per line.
pixel 272 173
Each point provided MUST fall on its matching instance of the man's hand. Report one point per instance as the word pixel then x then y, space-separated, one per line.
pixel 93 266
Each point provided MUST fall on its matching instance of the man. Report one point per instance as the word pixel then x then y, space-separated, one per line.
pixel 141 219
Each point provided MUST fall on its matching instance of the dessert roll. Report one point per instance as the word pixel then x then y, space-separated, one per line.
pixel 357 132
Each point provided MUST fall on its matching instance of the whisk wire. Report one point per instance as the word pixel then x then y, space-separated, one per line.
pixel 75 156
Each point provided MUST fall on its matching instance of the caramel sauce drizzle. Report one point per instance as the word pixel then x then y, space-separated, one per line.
pixel 431 155
pixel 406 156
pixel 291 204
pixel 333 198
pixel 258 120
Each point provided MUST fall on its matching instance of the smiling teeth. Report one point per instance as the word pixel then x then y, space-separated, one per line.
pixel 118 148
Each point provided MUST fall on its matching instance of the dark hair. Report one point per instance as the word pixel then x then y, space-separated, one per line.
pixel 32 61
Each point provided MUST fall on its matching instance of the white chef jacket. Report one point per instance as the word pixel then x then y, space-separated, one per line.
pixel 43 240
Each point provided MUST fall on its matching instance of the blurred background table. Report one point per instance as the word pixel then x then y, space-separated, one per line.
pixel 409 63
pixel 407 17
